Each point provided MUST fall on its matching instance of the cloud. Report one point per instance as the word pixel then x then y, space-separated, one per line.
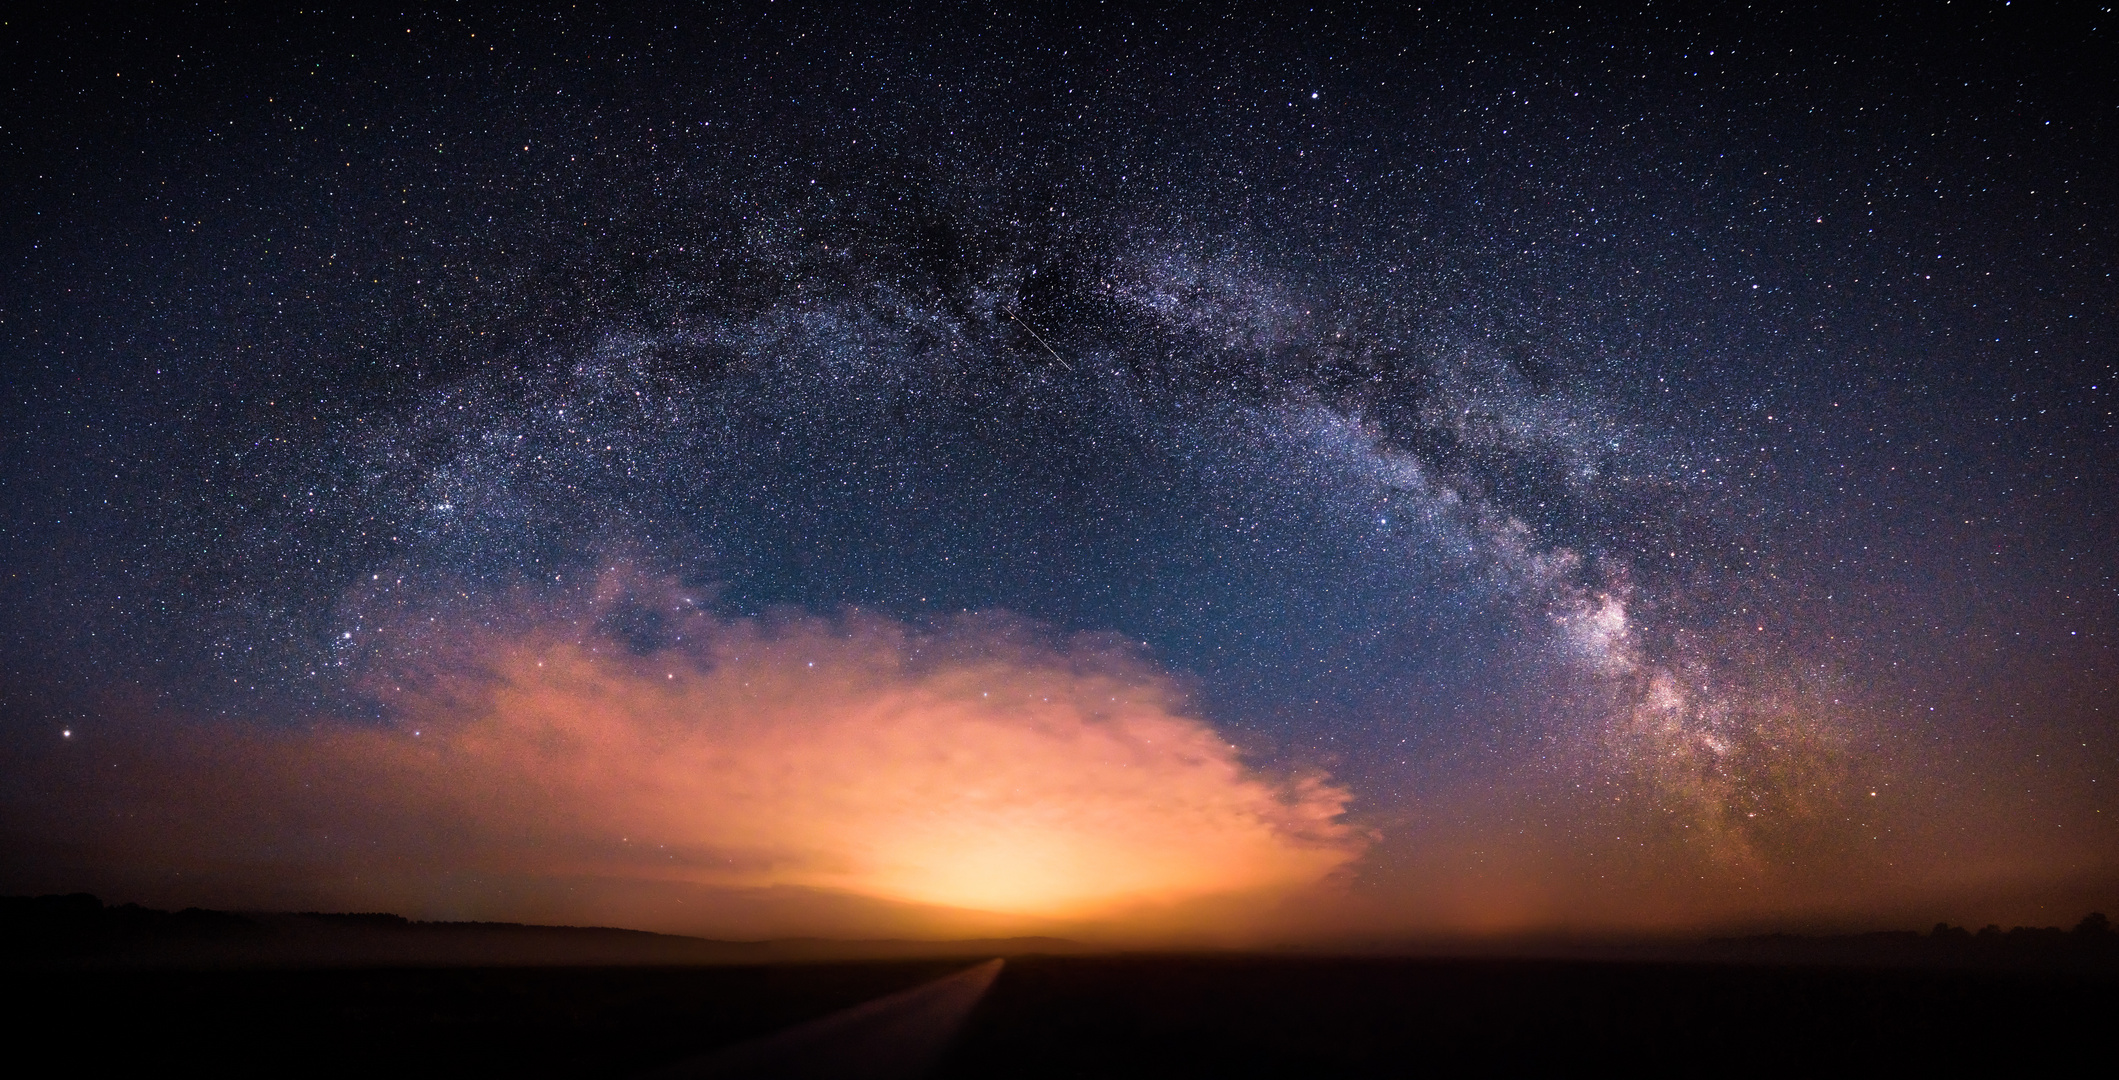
pixel 970 769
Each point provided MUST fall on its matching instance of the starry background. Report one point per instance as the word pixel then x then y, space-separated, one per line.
pixel 1614 445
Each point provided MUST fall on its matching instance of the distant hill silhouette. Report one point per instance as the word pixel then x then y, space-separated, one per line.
pixel 78 929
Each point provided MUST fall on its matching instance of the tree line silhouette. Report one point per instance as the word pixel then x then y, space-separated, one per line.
pixel 2090 944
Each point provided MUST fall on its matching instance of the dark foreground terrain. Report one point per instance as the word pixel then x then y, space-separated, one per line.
pixel 1075 1016
pixel 404 1022
pixel 1237 1016
pixel 96 991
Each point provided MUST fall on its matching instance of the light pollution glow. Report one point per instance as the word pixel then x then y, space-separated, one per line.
pixel 1040 787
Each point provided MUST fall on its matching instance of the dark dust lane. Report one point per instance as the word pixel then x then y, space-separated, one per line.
pixel 901 1035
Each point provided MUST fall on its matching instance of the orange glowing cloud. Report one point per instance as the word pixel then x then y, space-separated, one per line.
pixel 835 761
pixel 852 757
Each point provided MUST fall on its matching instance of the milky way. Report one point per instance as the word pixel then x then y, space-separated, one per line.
pixel 1645 470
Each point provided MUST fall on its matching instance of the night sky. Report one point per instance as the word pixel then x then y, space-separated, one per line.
pixel 1359 471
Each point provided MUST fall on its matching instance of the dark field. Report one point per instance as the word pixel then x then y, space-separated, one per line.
pixel 1075 1016
pixel 1295 1017
pixel 382 1022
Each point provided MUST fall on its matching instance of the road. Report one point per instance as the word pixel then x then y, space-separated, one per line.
pixel 897 1037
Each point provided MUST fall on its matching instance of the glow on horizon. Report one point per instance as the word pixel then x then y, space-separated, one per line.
pixel 1006 787
pixel 996 788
